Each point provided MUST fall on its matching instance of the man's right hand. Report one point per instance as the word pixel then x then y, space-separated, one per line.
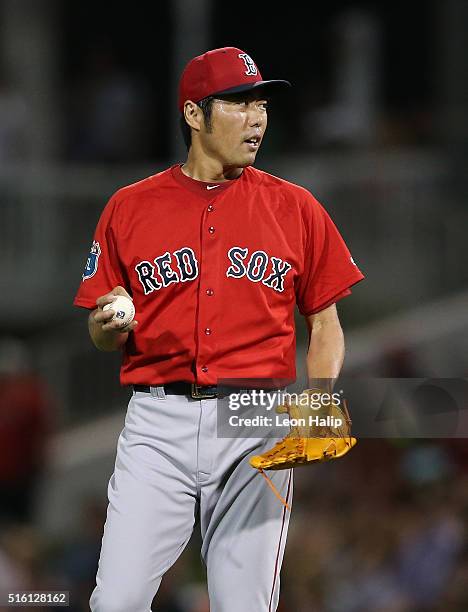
pixel 105 333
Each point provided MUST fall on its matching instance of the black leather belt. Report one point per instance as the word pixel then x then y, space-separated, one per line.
pixel 197 391
pixel 185 388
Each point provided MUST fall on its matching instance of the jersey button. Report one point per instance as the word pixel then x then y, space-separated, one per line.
pixel 209 292
pixel 204 369
pixel 211 229
pixel 207 331
pixel 210 208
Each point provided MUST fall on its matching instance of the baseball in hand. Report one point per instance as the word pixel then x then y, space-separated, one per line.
pixel 123 308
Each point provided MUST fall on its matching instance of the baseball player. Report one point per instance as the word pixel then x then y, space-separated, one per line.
pixel 215 255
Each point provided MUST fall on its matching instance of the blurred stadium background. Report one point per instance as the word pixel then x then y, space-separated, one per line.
pixel 376 127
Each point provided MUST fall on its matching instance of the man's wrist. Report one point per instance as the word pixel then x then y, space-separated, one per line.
pixel 105 340
pixel 324 385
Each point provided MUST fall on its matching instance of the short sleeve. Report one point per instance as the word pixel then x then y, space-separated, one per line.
pixel 102 270
pixel 329 270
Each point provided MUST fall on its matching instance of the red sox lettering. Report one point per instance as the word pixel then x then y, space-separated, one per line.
pixel 187 265
pixel 256 267
pixel 159 274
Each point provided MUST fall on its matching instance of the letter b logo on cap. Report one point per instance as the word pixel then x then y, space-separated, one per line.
pixel 251 68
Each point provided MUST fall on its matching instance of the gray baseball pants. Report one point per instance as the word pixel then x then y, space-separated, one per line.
pixel 171 470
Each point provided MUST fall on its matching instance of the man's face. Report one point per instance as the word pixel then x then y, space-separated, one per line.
pixel 238 123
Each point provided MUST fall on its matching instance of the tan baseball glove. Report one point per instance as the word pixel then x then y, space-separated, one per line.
pixel 321 431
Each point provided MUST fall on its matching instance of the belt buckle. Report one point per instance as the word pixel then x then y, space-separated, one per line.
pixel 196 394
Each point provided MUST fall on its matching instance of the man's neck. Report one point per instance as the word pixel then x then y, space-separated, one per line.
pixel 209 170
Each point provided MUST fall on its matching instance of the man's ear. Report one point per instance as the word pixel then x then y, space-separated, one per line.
pixel 193 115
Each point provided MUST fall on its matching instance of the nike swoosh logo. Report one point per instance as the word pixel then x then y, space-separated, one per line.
pixel 212 186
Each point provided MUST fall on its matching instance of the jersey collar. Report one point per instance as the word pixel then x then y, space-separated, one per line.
pixel 204 189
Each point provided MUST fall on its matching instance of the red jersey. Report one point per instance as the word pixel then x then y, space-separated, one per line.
pixel 215 271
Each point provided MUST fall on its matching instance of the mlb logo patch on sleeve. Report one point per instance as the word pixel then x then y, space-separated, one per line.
pixel 92 261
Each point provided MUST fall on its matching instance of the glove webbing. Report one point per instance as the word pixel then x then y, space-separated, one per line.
pixel 269 481
pixel 274 489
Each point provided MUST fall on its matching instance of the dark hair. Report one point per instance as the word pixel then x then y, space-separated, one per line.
pixel 206 106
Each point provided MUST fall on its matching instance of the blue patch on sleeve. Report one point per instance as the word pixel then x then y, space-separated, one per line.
pixel 93 261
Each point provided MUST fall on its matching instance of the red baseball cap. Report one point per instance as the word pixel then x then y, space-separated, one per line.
pixel 221 71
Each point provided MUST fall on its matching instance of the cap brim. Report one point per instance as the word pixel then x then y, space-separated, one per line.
pixel 268 85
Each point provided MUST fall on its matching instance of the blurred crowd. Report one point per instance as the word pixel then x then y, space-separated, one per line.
pixel 384 530
pixel 111 101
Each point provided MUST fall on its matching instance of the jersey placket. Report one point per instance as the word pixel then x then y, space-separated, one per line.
pixel 208 298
